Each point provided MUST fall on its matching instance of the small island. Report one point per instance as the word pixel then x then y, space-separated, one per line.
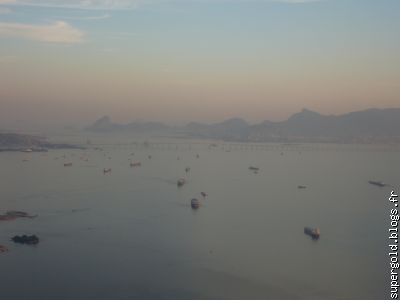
pixel 29 143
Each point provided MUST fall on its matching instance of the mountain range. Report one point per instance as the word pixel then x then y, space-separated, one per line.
pixel 371 125
pixel 104 124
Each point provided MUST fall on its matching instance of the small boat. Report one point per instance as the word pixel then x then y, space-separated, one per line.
pixel 3 249
pixel 105 171
pixel 254 168
pixel 204 194
pixel 181 182
pixel 27 150
pixel 26 239
pixel 68 164
pixel 195 203
pixel 136 164
pixel 377 183
pixel 301 187
pixel 19 214
pixel 313 232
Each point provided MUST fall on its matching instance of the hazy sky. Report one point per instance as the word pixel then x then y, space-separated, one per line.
pixel 205 60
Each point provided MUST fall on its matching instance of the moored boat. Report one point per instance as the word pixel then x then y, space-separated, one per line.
pixel 26 239
pixel 313 232
pixel 195 203
pixel 181 182
pixel 377 183
pixel 19 214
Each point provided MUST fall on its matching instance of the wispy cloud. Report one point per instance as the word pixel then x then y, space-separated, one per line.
pixel 7 1
pixel 87 18
pixel 123 35
pixel 110 50
pixel 76 4
pixel 58 32
pixel 298 1
pixel 122 4
pixel 5 10
pixel 7 59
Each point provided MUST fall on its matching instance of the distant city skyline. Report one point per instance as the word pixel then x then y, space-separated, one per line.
pixel 70 62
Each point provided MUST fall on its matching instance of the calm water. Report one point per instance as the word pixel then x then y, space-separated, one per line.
pixel 132 234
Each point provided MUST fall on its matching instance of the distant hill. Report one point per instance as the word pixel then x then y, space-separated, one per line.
pixel 11 140
pixel 104 124
pixel 371 125
pixel 21 142
pixel 361 126
pixel 231 129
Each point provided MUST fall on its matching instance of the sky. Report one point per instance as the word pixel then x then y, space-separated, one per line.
pixel 71 62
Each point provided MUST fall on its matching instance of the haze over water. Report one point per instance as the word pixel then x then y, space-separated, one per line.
pixel 236 70
pixel 132 234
